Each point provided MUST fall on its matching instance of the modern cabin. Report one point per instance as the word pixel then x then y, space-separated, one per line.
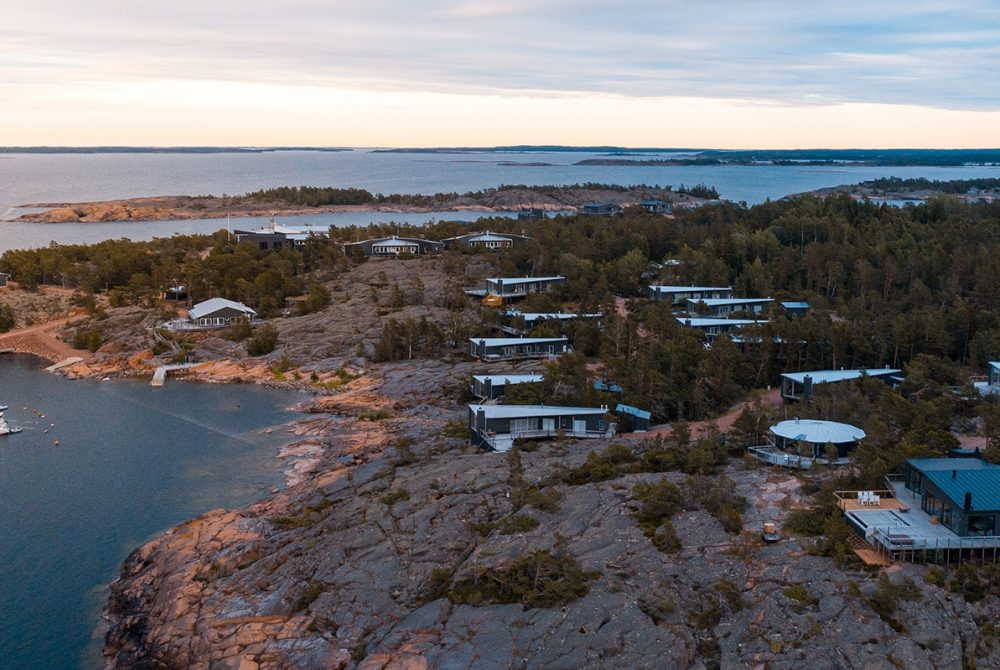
pixel 491 387
pixel 679 295
pixel 963 493
pixel 657 206
pixel 533 214
pixel 991 384
pixel 390 247
pixel 601 208
pixel 720 307
pixel 713 327
pixel 512 348
pixel 795 309
pixel 495 427
pixel 513 288
pixel 219 313
pixel 520 323
pixel 810 437
pixel 279 237
pixel 488 241
pixel 799 385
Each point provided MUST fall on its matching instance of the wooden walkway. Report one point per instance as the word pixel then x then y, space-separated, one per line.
pixel 867 554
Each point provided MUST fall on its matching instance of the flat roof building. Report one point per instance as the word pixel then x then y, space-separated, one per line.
pixel 489 241
pixel 491 387
pixel 724 306
pixel 395 246
pixel 495 427
pixel 679 295
pixel 511 348
pixel 799 385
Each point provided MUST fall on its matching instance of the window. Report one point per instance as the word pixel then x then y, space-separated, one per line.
pixel 981 525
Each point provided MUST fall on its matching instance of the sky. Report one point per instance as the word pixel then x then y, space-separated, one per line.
pixel 663 73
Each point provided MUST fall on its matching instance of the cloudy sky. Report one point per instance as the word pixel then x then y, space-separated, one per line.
pixel 707 73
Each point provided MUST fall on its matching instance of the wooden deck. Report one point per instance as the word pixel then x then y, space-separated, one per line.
pixel 885 503
pixel 867 554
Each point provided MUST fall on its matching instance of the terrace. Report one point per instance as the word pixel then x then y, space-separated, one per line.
pixel 897 528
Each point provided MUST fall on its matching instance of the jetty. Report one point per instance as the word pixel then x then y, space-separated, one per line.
pixel 66 362
pixel 160 376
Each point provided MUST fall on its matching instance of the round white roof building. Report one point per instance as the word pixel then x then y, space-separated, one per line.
pixel 815 431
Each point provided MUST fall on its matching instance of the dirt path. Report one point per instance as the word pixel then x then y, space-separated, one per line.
pixel 698 428
pixel 41 341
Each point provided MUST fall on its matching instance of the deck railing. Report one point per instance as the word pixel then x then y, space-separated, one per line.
pixel 494 439
pixel 898 538
pixel 768 454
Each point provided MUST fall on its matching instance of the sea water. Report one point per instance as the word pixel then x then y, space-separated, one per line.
pixel 131 462
pixel 48 178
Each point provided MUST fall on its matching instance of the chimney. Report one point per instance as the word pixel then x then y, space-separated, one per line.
pixel 968 501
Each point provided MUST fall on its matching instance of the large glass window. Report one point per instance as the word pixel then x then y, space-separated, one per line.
pixel 982 524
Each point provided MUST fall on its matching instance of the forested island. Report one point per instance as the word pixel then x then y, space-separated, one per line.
pixel 399 541
pixel 291 200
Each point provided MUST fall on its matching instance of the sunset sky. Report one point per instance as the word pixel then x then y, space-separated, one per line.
pixel 663 73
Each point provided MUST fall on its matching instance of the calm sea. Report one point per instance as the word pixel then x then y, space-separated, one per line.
pixel 132 461
pixel 28 178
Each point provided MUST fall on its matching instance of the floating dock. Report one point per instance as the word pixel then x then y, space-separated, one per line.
pixel 66 362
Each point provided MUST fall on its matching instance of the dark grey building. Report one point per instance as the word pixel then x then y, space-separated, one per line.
pixel 219 313
pixel 495 427
pixel 963 493
pixel 509 348
pixel 395 246
pixel 488 241
pixel 491 387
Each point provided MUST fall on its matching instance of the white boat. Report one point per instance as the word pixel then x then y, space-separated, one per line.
pixel 6 428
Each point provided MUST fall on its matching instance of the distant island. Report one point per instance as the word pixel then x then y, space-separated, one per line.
pixel 916 191
pixel 653 157
pixel 293 200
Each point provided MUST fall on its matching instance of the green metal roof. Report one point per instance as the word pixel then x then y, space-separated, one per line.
pixel 957 476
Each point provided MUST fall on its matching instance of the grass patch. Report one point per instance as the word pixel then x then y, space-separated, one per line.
pixel 393 497
pixel 309 595
pixel 509 525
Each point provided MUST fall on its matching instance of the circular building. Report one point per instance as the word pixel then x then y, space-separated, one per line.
pixel 810 437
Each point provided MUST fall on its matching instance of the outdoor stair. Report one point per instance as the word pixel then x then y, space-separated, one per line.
pixel 867 553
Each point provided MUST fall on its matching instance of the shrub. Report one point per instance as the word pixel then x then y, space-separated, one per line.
pixel 509 525
pixel 263 341
pixel 798 592
pixel 7 320
pixel 238 331
pixel 538 579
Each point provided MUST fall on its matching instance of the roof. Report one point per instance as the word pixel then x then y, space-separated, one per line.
pixel 214 305
pixel 500 380
pixel 795 305
pixel 695 322
pixel 393 241
pixel 718 302
pixel 513 281
pixel 686 289
pixel 519 411
pixel 825 376
pixel 487 236
pixel 817 432
pixel 511 341
pixel 982 482
pixel 541 316
pixel 995 365
pixel 949 464
pixel 633 411
pixel 608 386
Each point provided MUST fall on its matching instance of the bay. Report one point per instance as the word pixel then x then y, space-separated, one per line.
pixel 131 462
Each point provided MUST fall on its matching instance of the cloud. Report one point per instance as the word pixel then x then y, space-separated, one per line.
pixel 919 52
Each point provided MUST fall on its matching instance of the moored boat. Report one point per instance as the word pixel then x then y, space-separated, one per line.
pixel 6 428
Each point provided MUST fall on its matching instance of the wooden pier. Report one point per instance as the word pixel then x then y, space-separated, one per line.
pixel 160 376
